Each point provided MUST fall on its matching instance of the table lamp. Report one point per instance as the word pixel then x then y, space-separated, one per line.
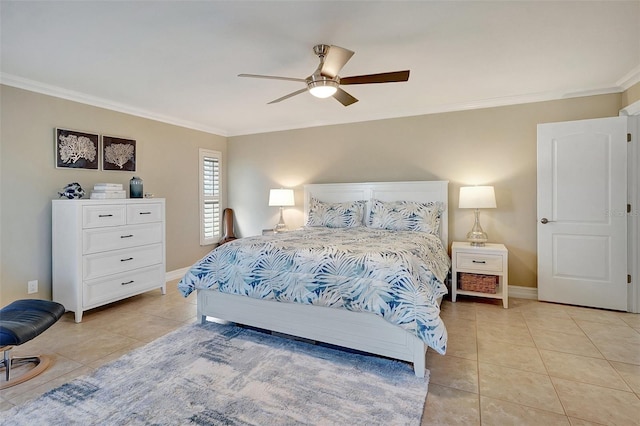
pixel 281 198
pixel 477 197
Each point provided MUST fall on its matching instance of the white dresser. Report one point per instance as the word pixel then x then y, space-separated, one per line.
pixel 106 250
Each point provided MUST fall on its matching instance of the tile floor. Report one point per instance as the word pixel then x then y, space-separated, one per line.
pixel 534 363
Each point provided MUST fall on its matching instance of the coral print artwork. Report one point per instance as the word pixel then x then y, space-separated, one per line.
pixel 118 154
pixel 76 150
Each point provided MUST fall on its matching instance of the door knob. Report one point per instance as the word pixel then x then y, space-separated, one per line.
pixel 544 220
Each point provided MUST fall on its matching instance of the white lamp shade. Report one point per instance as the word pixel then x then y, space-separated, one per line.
pixel 281 197
pixel 477 197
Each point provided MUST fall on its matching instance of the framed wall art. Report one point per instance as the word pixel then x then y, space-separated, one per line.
pixel 76 150
pixel 118 154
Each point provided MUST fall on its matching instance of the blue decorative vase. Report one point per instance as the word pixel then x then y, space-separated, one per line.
pixel 135 187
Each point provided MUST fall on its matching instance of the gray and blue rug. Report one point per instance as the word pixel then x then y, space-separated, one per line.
pixel 226 375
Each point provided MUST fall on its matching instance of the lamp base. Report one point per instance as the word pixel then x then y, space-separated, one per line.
pixel 280 227
pixel 477 237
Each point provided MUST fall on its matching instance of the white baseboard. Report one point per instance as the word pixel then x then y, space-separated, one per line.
pixel 520 292
pixel 176 274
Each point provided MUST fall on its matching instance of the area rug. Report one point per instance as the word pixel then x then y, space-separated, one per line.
pixel 223 374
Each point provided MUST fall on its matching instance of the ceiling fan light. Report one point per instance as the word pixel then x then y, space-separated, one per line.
pixel 323 88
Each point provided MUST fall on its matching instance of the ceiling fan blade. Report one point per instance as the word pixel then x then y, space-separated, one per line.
pixel 335 59
pixel 272 77
pixel 344 98
pixel 290 95
pixel 385 77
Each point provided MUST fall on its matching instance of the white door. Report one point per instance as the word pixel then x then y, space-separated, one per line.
pixel 582 213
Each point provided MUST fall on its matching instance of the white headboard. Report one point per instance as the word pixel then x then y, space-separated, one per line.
pixel 436 190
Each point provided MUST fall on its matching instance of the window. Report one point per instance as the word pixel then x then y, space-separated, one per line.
pixel 210 197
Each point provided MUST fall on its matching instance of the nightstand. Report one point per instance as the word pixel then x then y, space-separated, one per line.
pixel 491 260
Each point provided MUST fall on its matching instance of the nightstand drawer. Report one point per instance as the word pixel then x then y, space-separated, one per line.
pixel 479 262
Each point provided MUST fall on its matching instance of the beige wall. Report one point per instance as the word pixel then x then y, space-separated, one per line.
pixel 495 146
pixel 491 146
pixel 168 160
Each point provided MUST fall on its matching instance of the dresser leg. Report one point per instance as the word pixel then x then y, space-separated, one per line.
pixel 78 316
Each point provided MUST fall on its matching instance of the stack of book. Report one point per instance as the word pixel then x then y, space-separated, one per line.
pixel 104 191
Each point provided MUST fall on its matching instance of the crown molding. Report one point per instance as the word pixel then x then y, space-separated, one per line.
pixel 70 95
pixel 631 78
pixel 34 86
pixel 633 109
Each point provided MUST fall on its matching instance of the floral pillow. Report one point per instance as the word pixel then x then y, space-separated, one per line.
pixel 406 216
pixel 336 215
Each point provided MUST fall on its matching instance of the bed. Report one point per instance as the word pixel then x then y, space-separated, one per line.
pixel 373 332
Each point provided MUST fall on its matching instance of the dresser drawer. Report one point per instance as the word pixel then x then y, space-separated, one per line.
pixel 103 239
pixel 479 262
pixel 115 287
pixel 103 215
pixel 144 213
pixel 117 261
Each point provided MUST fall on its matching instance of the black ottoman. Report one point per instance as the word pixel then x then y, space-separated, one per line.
pixel 20 322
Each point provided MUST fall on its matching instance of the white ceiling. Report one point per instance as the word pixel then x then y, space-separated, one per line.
pixel 178 61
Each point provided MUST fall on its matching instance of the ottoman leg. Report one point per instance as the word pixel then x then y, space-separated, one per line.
pixel 7 362
pixel 41 363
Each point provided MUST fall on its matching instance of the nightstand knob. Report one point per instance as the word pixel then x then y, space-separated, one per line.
pixel 544 220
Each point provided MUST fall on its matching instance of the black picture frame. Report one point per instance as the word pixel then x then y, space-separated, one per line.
pixel 118 154
pixel 76 149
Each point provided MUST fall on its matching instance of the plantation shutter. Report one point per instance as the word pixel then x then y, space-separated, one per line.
pixel 210 188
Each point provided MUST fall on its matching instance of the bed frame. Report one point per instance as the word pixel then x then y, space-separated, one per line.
pixel 355 330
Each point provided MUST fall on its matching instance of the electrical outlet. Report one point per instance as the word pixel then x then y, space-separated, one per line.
pixel 32 287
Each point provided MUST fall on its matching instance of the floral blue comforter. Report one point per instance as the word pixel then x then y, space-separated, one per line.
pixel 398 275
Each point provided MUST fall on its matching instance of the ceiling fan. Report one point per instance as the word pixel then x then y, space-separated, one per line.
pixel 325 82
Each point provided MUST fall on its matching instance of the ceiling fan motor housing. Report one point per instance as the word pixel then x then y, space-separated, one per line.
pixel 321 86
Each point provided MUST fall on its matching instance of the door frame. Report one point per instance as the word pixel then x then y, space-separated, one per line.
pixel 633 221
